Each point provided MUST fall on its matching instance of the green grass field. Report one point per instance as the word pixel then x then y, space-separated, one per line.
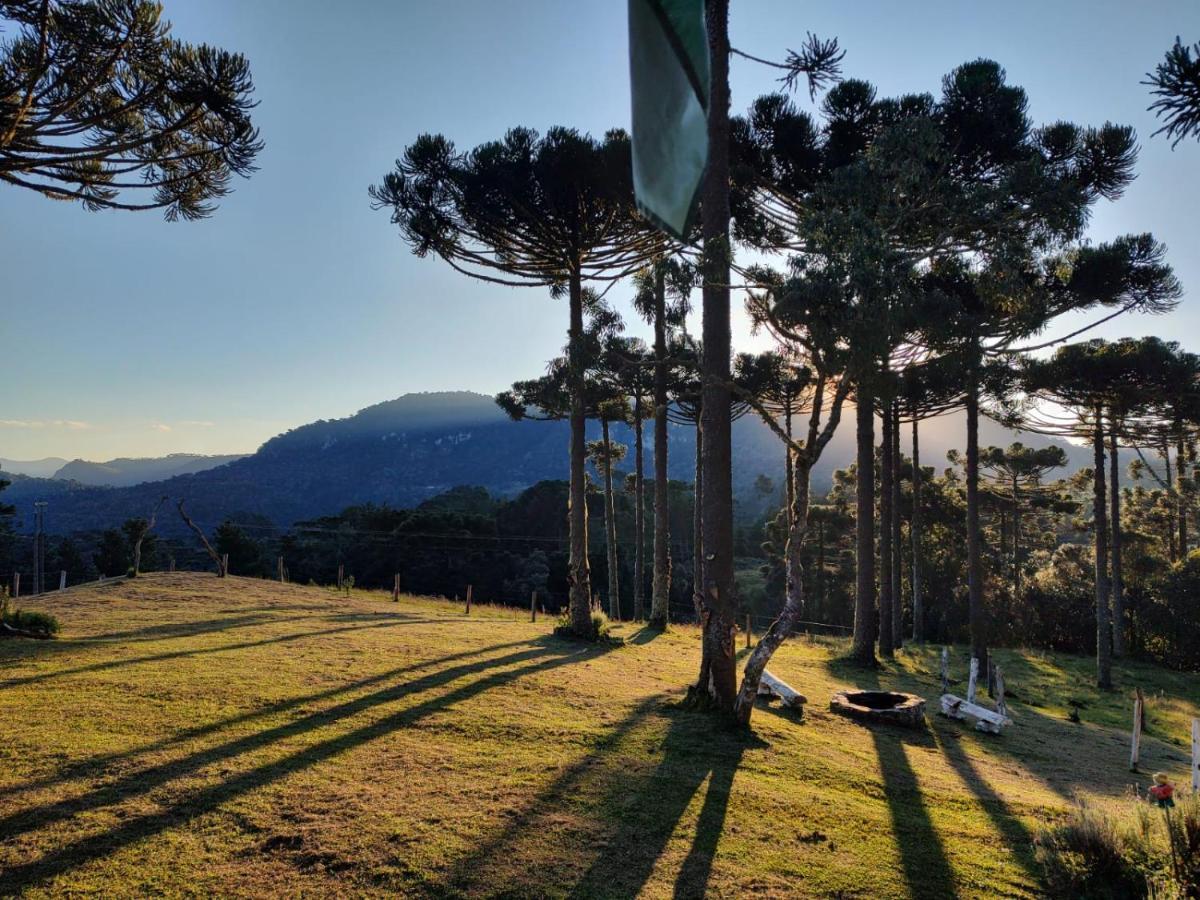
pixel 193 736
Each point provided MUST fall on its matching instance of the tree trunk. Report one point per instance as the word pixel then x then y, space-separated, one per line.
pixel 610 528
pixel 580 573
pixel 1100 518
pixel 719 684
pixel 793 606
pixel 1182 502
pixel 1166 455
pixel 863 649
pixel 1016 539
pixel 789 464
pixel 914 533
pixel 1118 581
pixel 897 580
pixel 979 647
pixel 886 473
pixel 661 593
pixel 819 586
pixel 697 531
pixel 639 515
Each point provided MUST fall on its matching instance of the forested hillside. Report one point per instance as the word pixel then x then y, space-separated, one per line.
pixel 403 451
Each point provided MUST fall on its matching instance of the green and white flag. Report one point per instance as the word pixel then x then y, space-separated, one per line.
pixel 668 68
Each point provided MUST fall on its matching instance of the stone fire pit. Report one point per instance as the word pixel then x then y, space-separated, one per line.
pixel 889 707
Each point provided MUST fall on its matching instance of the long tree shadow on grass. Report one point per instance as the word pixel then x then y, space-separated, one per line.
pixel 96 764
pixel 548 655
pixel 648 810
pixel 927 869
pixel 1015 834
pixel 612 798
pixel 923 853
pixel 123 662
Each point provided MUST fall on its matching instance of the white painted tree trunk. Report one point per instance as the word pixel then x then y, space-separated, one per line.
pixel 973 679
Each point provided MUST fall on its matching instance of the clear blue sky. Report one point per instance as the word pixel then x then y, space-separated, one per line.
pixel 126 335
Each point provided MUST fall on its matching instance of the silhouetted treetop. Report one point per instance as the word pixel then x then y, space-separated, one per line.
pixel 1175 82
pixel 531 208
pixel 98 103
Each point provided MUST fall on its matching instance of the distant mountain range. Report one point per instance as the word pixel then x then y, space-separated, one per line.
pixel 121 472
pixel 34 468
pixel 403 451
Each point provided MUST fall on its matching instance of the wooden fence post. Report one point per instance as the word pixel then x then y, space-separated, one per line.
pixel 998 685
pixel 945 670
pixel 16 591
pixel 341 575
pixel 62 579
pixel 470 591
pixel 972 680
pixel 224 564
pixel 280 567
pixel 396 588
pixel 747 631
pixel 1196 756
pixel 171 564
pixel 533 607
pixel 1136 740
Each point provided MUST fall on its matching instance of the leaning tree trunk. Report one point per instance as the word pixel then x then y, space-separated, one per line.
pixel 1118 581
pixel 1100 502
pixel 897 581
pixel 979 648
pixel 580 574
pixel 718 682
pixel 216 557
pixel 660 601
pixel 639 515
pixel 914 533
pixel 610 528
pixel 793 606
pixel 887 646
pixel 863 649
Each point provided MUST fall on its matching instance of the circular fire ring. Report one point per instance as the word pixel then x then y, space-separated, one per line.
pixel 889 707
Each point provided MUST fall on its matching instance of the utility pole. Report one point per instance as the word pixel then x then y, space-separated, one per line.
pixel 39 547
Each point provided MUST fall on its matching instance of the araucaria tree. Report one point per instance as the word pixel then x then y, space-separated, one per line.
pixel 662 295
pixel 1175 84
pixel 553 210
pixel 100 104
pixel 1088 381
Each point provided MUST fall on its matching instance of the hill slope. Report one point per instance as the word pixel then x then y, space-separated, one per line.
pixel 124 472
pixel 196 736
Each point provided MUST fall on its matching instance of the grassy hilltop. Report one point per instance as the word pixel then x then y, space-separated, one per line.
pixel 189 735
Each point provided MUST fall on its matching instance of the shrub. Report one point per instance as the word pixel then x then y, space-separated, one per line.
pixel 1185 833
pixel 28 620
pixel 601 629
pixel 1091 855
